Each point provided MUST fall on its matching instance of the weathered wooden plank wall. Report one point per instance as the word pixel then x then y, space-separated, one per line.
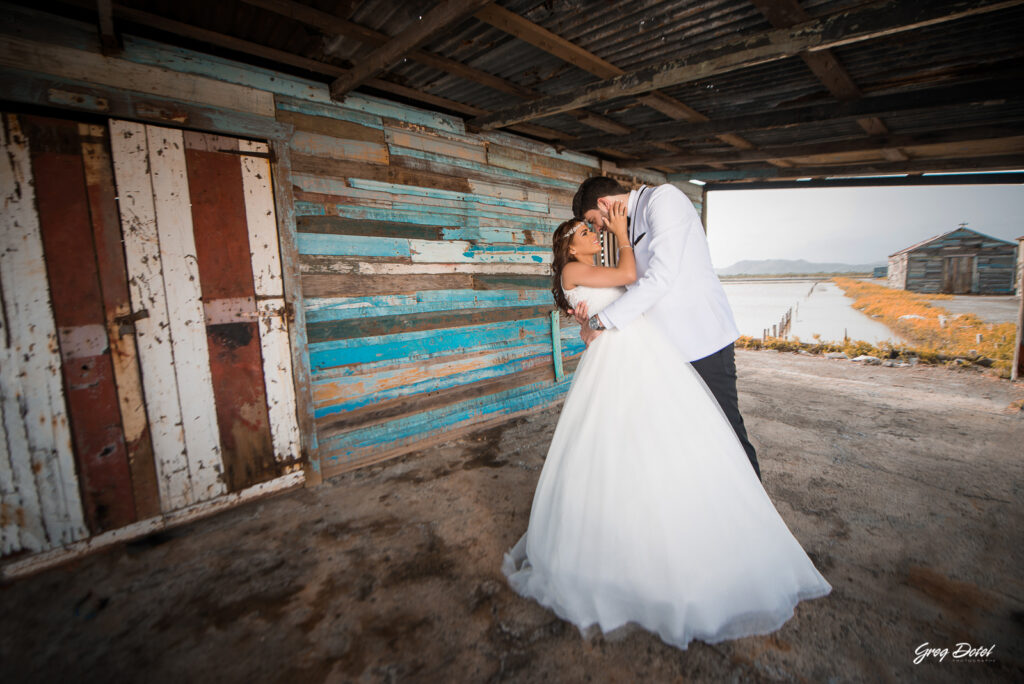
pixel 414 255
pixel 425 257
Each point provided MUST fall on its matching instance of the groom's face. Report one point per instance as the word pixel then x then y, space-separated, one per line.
pixel 598 218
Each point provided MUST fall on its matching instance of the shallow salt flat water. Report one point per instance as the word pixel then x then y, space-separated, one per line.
pixel 819 307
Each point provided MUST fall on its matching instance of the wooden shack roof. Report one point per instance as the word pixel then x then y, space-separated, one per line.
pixel 961 229
pixel 716 90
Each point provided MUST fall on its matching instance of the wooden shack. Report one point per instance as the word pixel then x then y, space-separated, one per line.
pixel 962 261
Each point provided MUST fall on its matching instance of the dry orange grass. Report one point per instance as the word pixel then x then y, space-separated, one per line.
pixel 932 328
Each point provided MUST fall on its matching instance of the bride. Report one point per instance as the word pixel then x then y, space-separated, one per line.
pixel 647 511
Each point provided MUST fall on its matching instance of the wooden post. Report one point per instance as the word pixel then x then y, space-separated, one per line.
pixel 1018 349
pixel 704 208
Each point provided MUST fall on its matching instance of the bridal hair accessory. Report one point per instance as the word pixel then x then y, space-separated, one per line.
pixel 569 233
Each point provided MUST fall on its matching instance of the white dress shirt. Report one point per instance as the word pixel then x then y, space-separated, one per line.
pixel 676 286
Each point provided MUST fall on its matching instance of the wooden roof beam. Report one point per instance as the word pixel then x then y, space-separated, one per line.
pixel 332 25
pixel 109 43
pixel 842 28
pixel 443 16
pixel 1009 136
pixel 825 66
pixel 554 44
pixel 1002 87
pixel 913 166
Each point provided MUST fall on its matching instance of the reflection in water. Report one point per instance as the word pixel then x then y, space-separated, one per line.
pixel 818 307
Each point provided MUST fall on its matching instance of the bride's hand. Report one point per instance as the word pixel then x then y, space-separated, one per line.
pixel 616 221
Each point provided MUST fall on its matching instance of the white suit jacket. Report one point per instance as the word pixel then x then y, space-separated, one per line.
pixel 676 285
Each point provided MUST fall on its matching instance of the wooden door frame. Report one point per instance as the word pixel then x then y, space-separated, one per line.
pixel 284 204
pixel 974 272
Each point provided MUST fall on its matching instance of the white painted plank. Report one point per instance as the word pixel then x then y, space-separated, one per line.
pixel 38 439
pixel 124 355
pixel 185 311
pixel 277 374
pixel 261 221
pixel 68 62
pixel 130 151
pixel 273 326
pixel 10 497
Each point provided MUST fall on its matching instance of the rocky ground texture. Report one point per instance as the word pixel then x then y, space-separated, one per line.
pixel 903 484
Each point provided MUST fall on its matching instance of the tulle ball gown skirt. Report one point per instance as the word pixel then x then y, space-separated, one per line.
pixel 647 511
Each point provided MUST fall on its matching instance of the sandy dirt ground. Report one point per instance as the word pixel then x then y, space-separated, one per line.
pixel 989 308
pixel 904 486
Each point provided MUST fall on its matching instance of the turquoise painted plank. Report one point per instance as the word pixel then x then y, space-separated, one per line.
pixel 143 51
pixel 504 350
pixel 418 191
pixel 495 171
pixel 496 235
pixel 331 111
pixel 427 203
pixel 391 110
pixel 429 384
pixel 482 214
pixel 344 308
pixel 556 346
pixel 303 208
pixel 514 141
pixel 423 343
pixel 429 423
pixel 352 245
pixel 419 216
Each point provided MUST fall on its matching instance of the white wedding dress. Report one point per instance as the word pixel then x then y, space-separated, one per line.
pixel 647 511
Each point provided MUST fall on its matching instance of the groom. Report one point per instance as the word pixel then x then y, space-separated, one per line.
pixel 677 287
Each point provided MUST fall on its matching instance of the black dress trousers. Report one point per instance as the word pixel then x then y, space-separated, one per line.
pixel 718 371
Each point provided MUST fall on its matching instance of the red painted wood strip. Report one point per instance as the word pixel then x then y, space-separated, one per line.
pixel 113 275
pixel 64 216
pixel 225 271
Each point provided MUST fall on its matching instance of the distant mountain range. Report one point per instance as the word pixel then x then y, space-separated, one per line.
pixel 780 266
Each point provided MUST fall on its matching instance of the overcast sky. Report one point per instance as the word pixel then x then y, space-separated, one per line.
pixel 853 225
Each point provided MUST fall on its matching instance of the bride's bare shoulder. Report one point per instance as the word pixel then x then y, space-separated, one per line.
pixel 571 273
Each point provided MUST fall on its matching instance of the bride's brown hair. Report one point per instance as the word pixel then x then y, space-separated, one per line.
pixel 561 239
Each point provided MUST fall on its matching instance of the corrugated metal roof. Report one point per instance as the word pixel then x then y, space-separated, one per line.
pixel 637 34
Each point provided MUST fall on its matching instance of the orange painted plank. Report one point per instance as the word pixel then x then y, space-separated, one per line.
pixel 65 224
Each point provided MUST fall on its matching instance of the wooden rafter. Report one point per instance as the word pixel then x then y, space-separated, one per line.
pixel 1009 136
pixel 332 25
pixel 443 16
pixel 1003 87
pixel 843 28
pixel 566 50
pixel 825 66
pixel 552 43
pixel 108 38
pixel 932 165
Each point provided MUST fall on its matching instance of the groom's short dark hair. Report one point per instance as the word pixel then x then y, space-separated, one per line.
pixel 591 190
